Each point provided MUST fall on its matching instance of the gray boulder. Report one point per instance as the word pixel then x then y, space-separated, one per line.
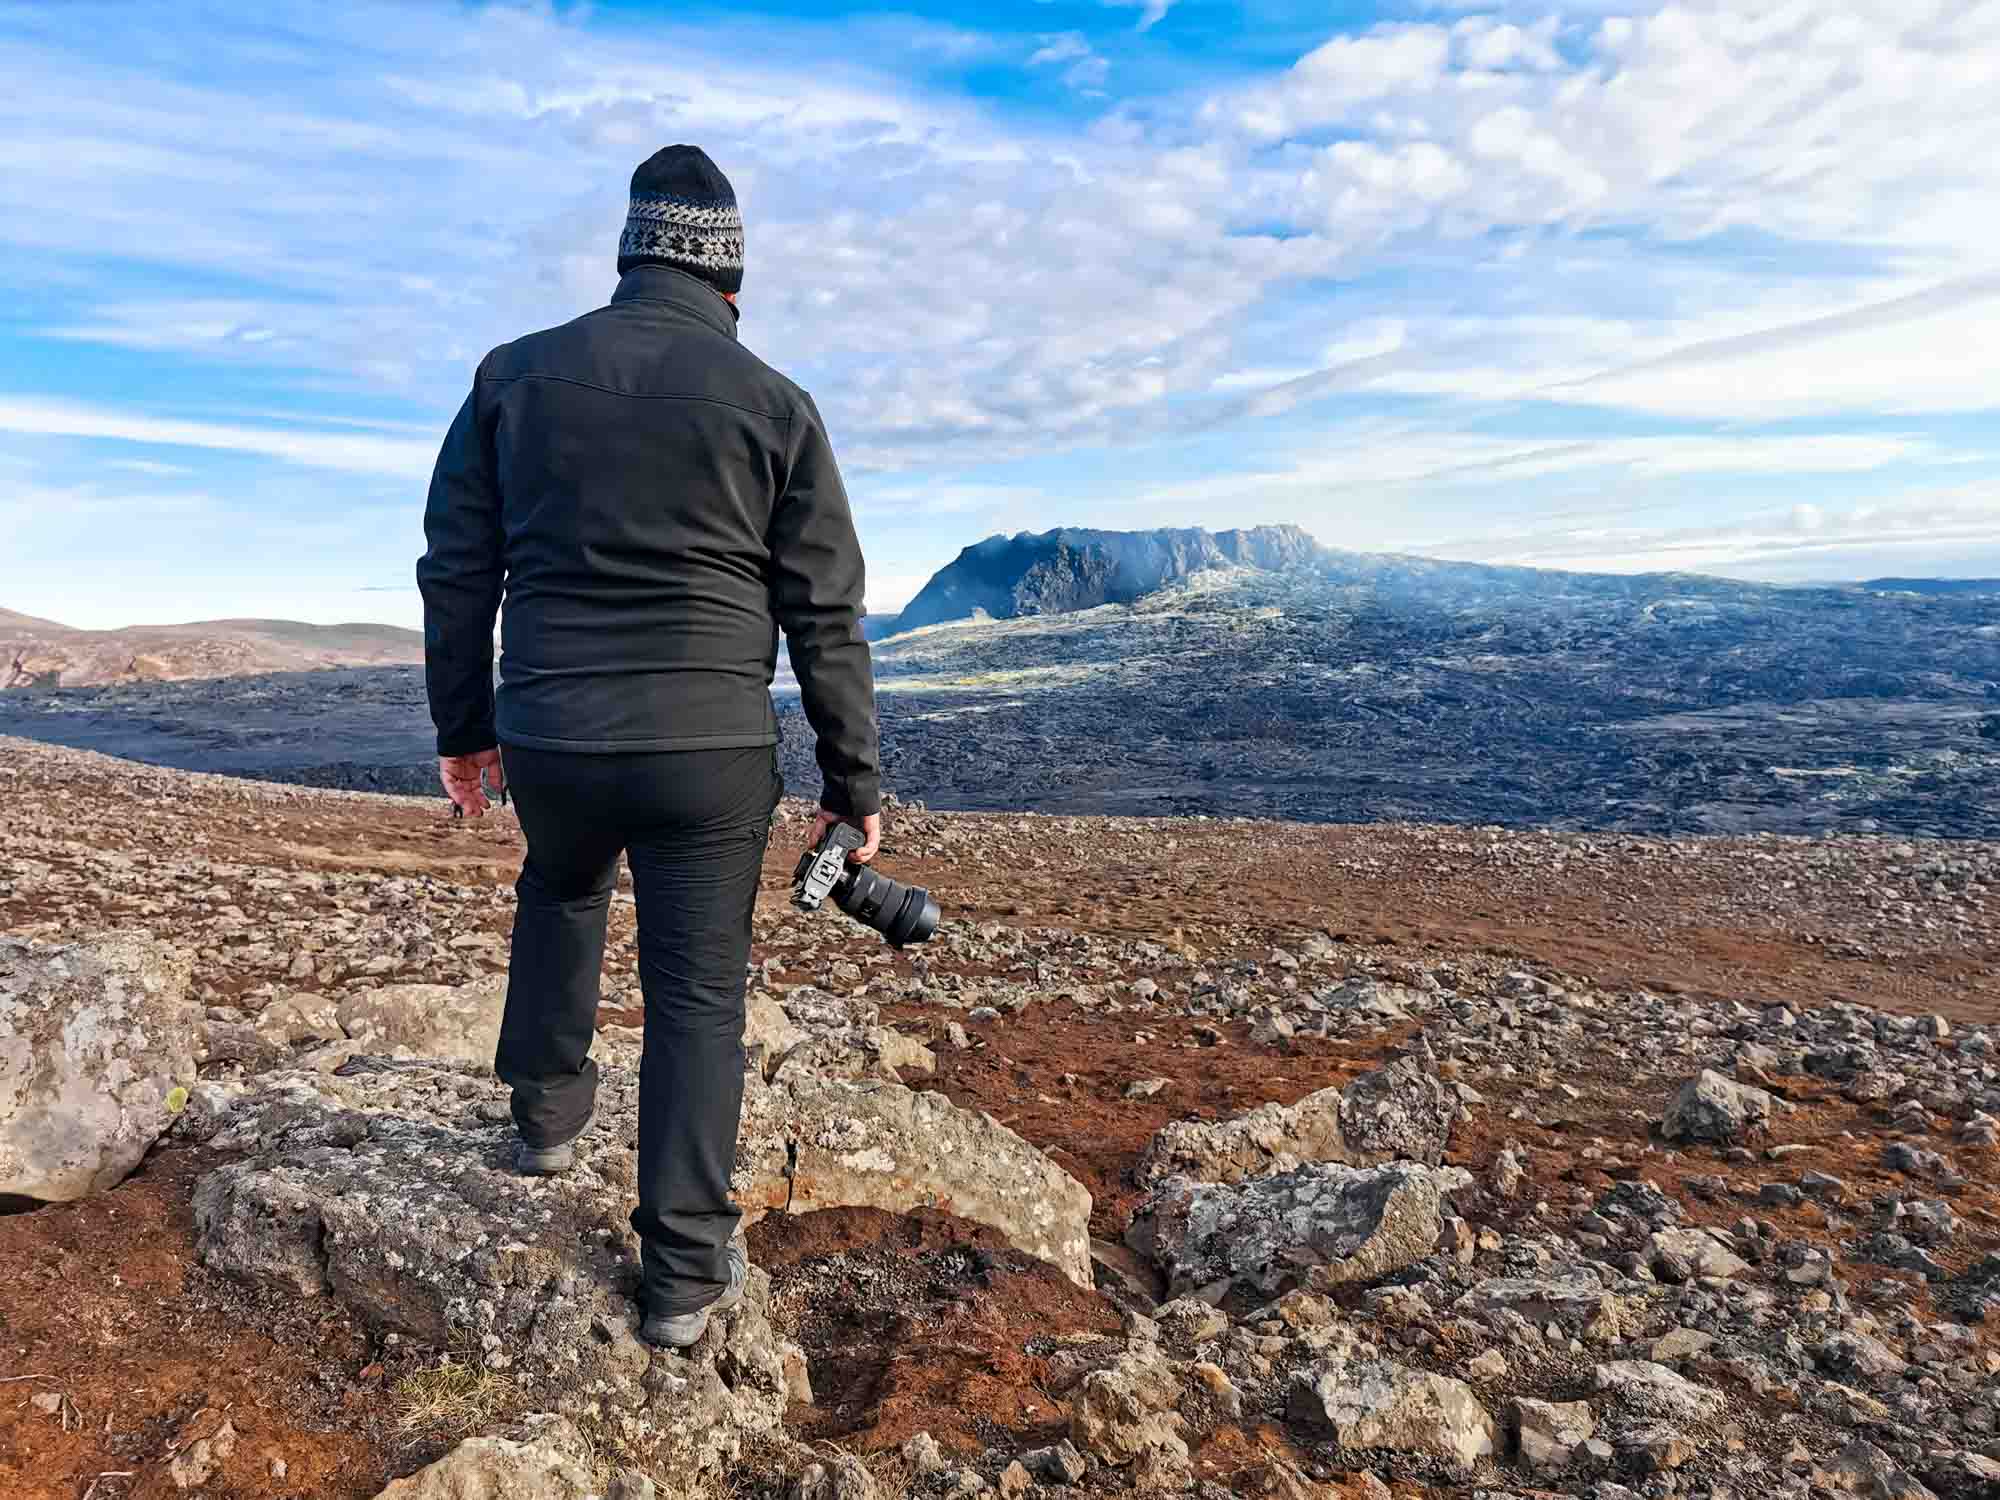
pixel 1863 1469
pixel 811 1031
pixel 807 1142
pixel 839 1477
pixel 1547 1434
pixel 1381 1404
pixel 1675 1255
pixel 97 1050
pixel 457 1022
pixel 390 1189
pixel 298 1018
pixel 1127 1412
pixel 1319 1226
pixel 1574 1299
pixel 810 1142
pixel 550 1462
pixel 1271 1137
pixel 1711 1108
pixel 768 1033
pixel 1401 1112
pixel 1652 1390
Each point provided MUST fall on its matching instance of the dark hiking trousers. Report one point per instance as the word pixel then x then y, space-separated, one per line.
pixel 693 825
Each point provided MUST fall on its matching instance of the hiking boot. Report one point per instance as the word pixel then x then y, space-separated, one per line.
pixel 684 1330
pixel 547 1161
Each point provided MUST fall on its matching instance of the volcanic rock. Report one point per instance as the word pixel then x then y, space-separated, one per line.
pixel 1548 1433
pixel 1653 1390
pixel 810 1142
pixel 1715 1109
pixel 811 1031
pixel 842 1477
pixel 543 1458
pixel 1401 1112
pixel 457 1022
pixel 1321 1225
pixel 1270 1137
pixel 1122 1413
pixel 1382 1404
pixel 1574 1299
pixel 1677 1254
pixel 97 1047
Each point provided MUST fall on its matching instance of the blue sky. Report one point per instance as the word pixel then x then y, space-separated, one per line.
pixel 1711 285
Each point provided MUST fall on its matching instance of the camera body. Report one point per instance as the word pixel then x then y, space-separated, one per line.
pixel 901 913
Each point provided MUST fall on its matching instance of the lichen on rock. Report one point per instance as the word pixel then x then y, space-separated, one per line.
pixel 97 1043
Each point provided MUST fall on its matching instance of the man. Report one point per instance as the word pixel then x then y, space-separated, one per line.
pixel 655 503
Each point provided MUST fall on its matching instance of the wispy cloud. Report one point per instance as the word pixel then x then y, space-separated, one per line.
pixel 1082 67
pixel 349 452
pixel 1151 12
pixel 148 466
pixel 1799 539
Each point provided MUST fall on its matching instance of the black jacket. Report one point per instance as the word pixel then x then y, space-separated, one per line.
pixel 655 502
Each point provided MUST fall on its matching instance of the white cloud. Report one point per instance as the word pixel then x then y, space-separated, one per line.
pixel 1933 350
pixel 1800 541
pixel 350 452
pixel 1059 47
pixel 1338 75
pixel 1488 43
pixel 1151 12
pixel 1371 460
pixel 1723 210
pixel 147 466
pixel 1086 70
pixel 889 592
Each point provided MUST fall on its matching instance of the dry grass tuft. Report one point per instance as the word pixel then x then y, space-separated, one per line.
pixel 449 1398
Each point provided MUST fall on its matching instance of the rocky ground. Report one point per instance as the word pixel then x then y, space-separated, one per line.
pixel 1201 1157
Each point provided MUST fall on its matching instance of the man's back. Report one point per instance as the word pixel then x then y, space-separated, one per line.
pixel 665 502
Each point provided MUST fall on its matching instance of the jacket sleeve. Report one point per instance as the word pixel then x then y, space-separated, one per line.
pixel 816 588
pixel 459 576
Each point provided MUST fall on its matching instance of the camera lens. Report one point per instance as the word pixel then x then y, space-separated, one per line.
pixel 901 913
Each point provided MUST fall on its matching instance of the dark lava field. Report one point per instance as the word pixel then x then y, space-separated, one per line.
pixel 1360 690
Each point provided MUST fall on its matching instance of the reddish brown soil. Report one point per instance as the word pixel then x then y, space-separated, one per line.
pixel 922 1323
pixel 103 1304
pixel 1057 1074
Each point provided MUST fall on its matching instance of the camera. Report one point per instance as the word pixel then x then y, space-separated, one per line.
pixel 901 913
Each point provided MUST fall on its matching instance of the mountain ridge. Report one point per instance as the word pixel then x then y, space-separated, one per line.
pixel 1073 567
pixel 38 653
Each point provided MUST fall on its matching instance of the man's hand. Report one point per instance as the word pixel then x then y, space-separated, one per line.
pixel 461 777
pixel 870 825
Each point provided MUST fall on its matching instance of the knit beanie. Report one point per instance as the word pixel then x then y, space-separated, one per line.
pixel 683 215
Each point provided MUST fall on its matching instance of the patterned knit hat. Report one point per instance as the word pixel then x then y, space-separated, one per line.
pixel 683 215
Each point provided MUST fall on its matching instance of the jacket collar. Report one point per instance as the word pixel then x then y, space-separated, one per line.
pixel 677 289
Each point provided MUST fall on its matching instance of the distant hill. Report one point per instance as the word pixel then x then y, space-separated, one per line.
pixel 1937 586
pixel 875 627
pixel 13 620
pixel 1073 568
pixel 45 654
pixel 1056 572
